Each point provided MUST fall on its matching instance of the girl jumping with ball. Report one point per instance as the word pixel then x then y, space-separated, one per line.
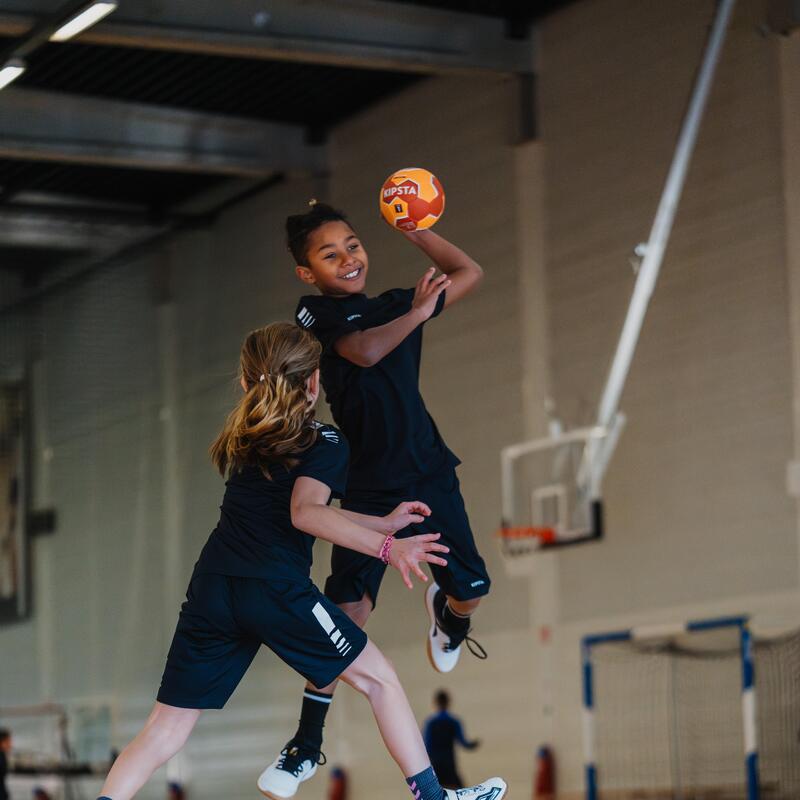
pixel 251 584
pixel 371 351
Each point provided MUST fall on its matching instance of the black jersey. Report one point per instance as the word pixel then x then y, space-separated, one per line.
pixel 255 537
pixel 394 441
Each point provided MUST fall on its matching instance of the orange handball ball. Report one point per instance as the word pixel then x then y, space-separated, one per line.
pixel 412 199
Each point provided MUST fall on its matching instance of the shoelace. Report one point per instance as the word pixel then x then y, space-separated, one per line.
pixel 455 641
pixel 292 758
pixel 473 646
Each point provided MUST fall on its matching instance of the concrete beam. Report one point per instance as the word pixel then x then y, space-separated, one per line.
pixel 28 229
pixel 52 126
pixel 373 34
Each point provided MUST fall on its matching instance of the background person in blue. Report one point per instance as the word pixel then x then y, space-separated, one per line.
pixel 441 733
pixel 5 748
pixel 372 347
pixel 251 584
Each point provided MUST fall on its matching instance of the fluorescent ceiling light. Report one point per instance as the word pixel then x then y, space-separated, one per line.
pixel 11 71
pixel 85 19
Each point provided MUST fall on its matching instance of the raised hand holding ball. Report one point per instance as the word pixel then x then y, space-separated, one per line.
pixel 411 199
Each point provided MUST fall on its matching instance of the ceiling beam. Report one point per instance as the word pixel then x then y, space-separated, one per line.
pixel 372 34
pixel 40 33
pixel 53 231
pixel 52 126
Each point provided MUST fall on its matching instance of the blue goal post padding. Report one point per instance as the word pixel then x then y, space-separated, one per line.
pixel 643 633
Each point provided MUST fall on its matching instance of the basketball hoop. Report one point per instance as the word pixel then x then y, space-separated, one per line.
pixel 529 537
pixel 552 491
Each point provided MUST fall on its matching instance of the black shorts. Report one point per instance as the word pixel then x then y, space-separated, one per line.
pixel 353 574
pixel 226 619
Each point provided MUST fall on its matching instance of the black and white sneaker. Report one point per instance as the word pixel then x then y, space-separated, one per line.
pixel 284 775
pixel 493 789
pixel 444 646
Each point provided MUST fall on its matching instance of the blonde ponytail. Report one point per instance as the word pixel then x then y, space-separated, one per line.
pixel 272 423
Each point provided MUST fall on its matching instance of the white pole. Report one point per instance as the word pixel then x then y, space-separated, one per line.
pixel 662 224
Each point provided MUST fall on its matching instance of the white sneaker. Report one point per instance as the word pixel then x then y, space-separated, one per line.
pixel 442 656
pixel 493 789
pixel 284 775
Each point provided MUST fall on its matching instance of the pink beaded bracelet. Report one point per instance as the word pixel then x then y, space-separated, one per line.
pixel 386 548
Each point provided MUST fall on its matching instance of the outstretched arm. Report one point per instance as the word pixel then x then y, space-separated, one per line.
pixel 391 522
pixel 311 513
pixel 462 739
pixel 464 273
pixel 367 348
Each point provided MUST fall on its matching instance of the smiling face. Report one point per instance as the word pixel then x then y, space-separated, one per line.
pixel 337 263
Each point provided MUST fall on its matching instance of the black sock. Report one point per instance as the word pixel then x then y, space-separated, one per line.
pixel 453 622
pixel 425 786
pixel 312 719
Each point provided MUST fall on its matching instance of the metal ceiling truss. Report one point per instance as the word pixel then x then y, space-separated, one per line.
pixel 372 34
pixel 50 126
pixel 29 228
pixel 53 126
pixel 39 31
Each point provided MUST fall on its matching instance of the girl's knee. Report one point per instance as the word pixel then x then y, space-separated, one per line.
pixel 169 726
pixel 371 672
pixel 464 606
pixel 383 677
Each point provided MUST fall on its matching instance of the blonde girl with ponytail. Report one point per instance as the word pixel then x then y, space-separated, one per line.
pixel 251 583
pixel 273 421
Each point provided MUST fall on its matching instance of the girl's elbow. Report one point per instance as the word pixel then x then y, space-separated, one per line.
pixel 365 357
pixel 474 281
pixel 359 354
pixel 299 518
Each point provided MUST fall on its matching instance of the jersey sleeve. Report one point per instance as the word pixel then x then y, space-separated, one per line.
pixel 324 319
pixel 408 295
pixel 327 460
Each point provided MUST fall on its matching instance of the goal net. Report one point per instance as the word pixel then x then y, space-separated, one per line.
pixel 778 691
pixel 670 718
